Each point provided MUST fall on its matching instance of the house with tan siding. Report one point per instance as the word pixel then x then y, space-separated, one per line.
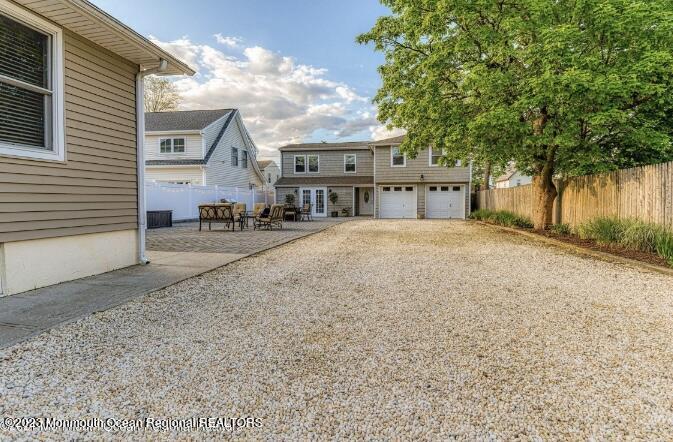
pixel 201 147
pixel 374 179
pixel 71 134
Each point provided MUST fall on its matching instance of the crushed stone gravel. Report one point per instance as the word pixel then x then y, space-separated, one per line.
pixel 373 329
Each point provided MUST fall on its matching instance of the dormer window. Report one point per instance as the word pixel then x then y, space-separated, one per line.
pixel 172 145
pixel 397 158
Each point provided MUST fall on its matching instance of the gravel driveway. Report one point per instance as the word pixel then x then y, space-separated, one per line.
pixel 387 329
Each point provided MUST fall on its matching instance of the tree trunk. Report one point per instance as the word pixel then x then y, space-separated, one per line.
pixel 487 177
pixel 544 192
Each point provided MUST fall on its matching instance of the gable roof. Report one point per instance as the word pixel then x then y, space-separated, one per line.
pixel 350 145
pixel 86 19
pixel 389 141
pixel 183 120
pixel 506 176
pixel 211 149
pixel 264 163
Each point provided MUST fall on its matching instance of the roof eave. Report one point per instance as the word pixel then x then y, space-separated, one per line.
pixel 175 66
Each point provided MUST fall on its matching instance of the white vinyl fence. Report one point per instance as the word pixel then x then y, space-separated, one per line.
pixel 184 199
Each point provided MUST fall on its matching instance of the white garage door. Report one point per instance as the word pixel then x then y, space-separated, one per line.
pixel 397 201
pixel 445 201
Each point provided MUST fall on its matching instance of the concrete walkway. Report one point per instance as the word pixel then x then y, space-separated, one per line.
pixel 28 314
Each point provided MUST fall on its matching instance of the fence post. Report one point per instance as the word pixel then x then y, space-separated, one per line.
pixel 217 193
pixel 189 200
pixel 236 193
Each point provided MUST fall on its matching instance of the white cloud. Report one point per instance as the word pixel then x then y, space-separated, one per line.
pixel 281 101
pixel 232 42
pixel 381 132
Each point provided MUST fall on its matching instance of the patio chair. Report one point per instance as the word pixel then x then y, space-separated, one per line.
pixel 216 213
pixel 258 208
pixel 274 218
pixel 305 213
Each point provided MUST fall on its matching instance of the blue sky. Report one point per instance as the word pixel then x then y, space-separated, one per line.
pixel 291 66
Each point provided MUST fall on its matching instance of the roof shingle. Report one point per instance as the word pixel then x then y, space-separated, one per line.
pixel 182 120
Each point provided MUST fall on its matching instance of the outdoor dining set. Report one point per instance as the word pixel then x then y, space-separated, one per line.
pixel 262 216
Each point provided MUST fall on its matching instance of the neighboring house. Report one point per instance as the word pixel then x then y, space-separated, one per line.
pixel 512 178
pixel 203 147
pixel 71 110
pixel 373 178
pixel 270 170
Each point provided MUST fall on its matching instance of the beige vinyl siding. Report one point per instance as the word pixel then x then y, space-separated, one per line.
pixel 193 147
pixel 220 171
pixel 414 168
pixel 345 200
pixel 95 190
pixel 331 163
pixel 282 191
pixel 164 174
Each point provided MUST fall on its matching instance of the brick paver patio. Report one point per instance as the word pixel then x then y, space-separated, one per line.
pixel 185 237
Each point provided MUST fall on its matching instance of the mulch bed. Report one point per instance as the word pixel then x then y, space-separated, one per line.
pixel 649 258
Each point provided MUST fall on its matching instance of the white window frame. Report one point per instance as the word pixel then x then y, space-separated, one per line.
pixel 430 157
pixel 404 155
pixel 172 140
pixel 57 152
pixel 244 157
pixel 308 169
pixel 294 164
pixel 238 157
pixel 355 163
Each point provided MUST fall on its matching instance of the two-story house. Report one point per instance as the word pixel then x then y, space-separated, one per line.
pixel 201 147
pixel 314 171
pixel 374 178
pixel 270 170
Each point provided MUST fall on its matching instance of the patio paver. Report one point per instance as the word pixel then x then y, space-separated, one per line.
pixel 176 254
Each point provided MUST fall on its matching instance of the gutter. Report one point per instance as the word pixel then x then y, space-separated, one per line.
pixel 140 155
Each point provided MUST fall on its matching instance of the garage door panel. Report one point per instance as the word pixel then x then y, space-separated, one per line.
pixel 445 201
pixel 398 202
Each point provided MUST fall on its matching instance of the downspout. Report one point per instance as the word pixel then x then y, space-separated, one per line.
pixel 140 154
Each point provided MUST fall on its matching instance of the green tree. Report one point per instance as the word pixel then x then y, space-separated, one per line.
pixel 561 87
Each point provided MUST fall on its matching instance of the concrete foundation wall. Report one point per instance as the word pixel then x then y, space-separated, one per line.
pixel 27 265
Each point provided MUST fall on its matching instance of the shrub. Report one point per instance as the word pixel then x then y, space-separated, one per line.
pixel 664 246
pixel 637 235
pixel 502 217
pixel 631 234
pixel 602 230
pixel 561 229
pixel 481 214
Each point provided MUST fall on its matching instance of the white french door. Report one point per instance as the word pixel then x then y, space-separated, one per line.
pixel 317 197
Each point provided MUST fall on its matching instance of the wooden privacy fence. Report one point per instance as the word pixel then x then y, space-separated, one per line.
pixel 644 193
